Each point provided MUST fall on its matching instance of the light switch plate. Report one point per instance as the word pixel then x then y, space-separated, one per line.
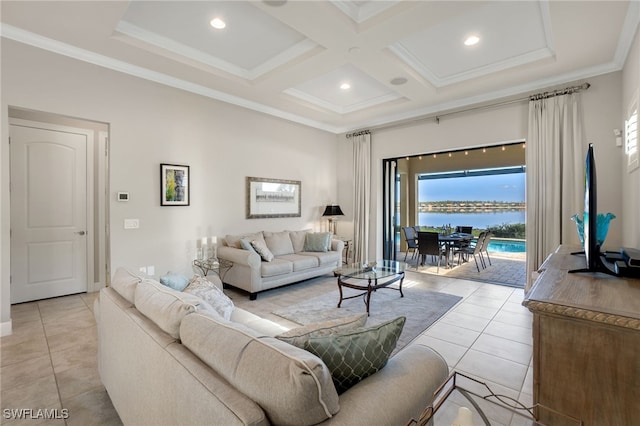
pixel 131 223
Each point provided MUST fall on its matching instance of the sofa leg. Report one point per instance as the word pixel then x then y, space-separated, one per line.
pixel 253 296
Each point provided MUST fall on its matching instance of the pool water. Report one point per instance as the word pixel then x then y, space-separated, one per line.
pixel 507 245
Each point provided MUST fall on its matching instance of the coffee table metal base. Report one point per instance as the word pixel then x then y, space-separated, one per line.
pixel 372 285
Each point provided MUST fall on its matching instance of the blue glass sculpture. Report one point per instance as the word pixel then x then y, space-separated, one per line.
pixel 602 226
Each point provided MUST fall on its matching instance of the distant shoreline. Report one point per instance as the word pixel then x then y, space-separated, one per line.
pixel 470 206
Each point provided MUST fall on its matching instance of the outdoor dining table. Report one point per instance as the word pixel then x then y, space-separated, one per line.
pixel 452 240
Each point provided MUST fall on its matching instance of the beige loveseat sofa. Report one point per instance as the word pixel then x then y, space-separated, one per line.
pixel 165 359
pixel 294 259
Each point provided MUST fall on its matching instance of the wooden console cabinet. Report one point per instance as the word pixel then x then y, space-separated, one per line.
pixel 586 342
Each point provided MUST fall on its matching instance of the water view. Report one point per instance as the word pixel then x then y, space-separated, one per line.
pixel 477 220
pixel 482 201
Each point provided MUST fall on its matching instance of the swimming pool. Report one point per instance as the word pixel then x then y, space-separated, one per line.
pixel 506 245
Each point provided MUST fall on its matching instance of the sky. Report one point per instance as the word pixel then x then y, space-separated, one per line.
pixel 508 187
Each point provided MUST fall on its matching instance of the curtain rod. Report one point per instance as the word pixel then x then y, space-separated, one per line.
pixel 358 133
pixel 436 118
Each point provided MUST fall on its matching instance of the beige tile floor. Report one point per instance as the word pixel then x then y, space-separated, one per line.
pixel 50 360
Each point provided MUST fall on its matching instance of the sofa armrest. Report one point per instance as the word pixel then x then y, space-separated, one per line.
pixel 397 393
pixel 337 245
pixel 239 256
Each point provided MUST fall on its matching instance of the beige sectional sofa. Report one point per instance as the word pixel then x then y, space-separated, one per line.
pixel 294 259
pixel 165 358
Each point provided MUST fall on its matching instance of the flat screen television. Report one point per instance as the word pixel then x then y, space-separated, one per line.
pixel 591 247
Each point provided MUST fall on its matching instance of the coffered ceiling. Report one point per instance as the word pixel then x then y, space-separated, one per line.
pixel 400 59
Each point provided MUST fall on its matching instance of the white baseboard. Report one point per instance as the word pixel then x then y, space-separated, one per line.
pixel 6 329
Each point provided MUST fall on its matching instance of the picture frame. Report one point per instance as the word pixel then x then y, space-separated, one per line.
pixel 272 198
pixel 175 185
pixel 631 148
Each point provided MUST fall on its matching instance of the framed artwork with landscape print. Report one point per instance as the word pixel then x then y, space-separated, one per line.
pixel 267 198
pixel 174 185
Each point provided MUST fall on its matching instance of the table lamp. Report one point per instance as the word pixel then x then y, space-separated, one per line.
pixel 331 211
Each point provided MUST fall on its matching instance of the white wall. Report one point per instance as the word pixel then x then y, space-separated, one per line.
pixel 631 181
pixel 602 112
pixel 152 124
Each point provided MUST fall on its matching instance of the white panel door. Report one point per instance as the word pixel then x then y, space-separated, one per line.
pixel 48 213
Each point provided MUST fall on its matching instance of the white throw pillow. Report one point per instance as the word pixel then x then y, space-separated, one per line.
pixel 210 293
pixel 261 248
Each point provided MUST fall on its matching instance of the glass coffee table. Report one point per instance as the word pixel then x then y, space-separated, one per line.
pixel 370 277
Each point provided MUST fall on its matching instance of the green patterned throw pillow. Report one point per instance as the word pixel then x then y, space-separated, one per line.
pixel 317 241
pixel 354 355
pixel 299 336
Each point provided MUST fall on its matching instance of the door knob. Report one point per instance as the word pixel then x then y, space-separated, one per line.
pixel 80 232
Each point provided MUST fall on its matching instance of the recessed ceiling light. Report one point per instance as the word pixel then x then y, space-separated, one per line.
pixel 218 23
pixel 275 3
pixel 345 86
pixel 471 40
pixel 398 81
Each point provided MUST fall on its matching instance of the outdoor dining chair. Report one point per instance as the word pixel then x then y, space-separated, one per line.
pixel 411 239
pixel 429 245
pixel 464 229
pixel 462 245
pixel 485 245
pixel 475 251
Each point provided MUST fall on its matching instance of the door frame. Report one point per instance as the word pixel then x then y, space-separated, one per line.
pixel 97 241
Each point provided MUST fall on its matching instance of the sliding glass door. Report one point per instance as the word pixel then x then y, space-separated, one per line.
pixel 390 207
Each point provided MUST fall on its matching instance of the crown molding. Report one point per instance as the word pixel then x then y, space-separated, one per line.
pixel 41 42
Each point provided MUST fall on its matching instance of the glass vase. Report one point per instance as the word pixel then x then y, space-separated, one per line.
pixel 602 226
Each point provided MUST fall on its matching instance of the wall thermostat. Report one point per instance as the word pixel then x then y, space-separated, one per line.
pixel 123 196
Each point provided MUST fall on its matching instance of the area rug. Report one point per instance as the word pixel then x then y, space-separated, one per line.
pixel 421 308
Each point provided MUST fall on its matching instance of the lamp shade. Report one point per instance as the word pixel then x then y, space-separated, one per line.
pixel 333 210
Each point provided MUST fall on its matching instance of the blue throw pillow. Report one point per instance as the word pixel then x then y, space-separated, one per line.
pixel 317 241
pixel 175 281
pixel 246 245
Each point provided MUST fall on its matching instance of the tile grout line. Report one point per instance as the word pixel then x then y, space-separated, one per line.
pixel 55 377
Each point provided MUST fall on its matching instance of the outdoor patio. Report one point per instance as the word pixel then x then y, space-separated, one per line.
pixel 506 269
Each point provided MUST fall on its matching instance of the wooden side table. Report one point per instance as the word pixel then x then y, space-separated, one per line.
pixel 347 246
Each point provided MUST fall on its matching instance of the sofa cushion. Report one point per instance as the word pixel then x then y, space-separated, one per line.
pixel 234 240
pixel 175 281
pixel 300 263
pixel 353 355
pixel 261 248
pixel 291 385
pixel 164 306
pixel 257 323
pixel 210 293
pixel 324 258
pixel 298 238
pixel 299 335
pixel 276 267
pixel 317 241
pixel 278 242
pixel 125 282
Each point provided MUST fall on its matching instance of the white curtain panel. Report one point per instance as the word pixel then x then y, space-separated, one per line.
pixel 362 196
pixel 555 176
